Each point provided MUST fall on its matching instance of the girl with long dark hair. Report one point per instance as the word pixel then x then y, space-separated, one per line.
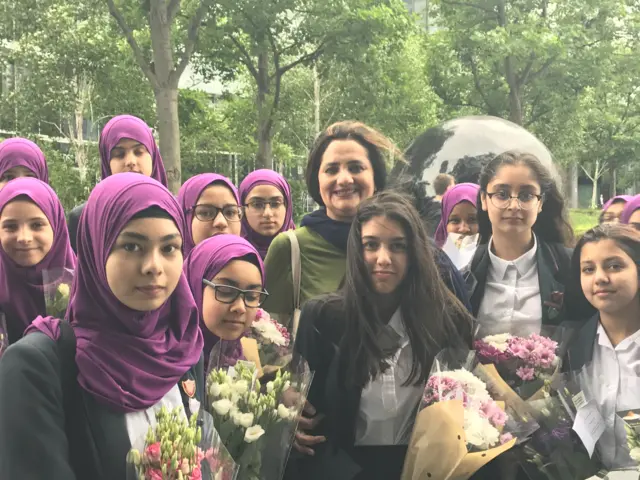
pixel 372 344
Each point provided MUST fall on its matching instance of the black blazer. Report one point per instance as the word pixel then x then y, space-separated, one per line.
pixel 72 223
pixel 560 297
pixel 52 429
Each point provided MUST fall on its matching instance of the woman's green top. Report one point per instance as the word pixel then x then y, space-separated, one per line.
pixel 322 269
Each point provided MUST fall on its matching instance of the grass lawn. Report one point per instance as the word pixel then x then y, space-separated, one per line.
pixel 583 219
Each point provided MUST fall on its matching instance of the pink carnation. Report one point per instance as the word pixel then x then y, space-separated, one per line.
pixel 196 474
pixel 507 437
pixel 154 474
pixel 494 413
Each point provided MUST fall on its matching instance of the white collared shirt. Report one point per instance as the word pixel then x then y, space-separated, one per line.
pixel 612 379
pixel 511 301
pixel 138 423
pixel 387 407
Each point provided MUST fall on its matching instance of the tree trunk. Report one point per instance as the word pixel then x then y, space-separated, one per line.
pixel 316 102
pixel 594 180
pixel 169 133
pixel 515 103
pixel 264 157
pixel 573 186
pixel 613 189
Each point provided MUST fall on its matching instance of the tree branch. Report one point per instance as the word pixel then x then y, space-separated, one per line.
pixel 192 38
pixel 522 79
pixel 304 58
pixel 128 33
pixel 476 82
pixel 172 10
pixel 541 70
pixel 247 60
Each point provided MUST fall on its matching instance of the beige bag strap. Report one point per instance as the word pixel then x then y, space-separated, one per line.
pixel 296 274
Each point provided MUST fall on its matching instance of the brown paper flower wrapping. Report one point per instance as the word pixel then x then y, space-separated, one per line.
pixel 251 353
pixel 438 446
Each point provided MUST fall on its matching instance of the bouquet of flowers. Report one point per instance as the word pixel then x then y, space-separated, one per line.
pixel 57 291
pixel 525 363
pixel 256 420
pixel 4 338
pixel 461 425
pixel 555 452
pixel 172 451
pixel 272 339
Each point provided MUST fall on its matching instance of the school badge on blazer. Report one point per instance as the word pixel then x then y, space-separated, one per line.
pixel 189 387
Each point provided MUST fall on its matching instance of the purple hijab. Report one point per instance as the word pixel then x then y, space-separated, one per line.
pixel 20 152
pixel 608 203
pixel 128 360
pixel 265 177
pixel 128 126
pixel 631 206
pixel 21 288
pixel 190 193
pixel 462 192
pixel 205 261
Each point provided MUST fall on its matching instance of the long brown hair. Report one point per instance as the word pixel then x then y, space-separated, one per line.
pixel 433 317
pixel 380 151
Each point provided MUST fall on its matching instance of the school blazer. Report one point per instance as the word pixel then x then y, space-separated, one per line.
pixel 52 429
pixel 72 222
pixel 560 296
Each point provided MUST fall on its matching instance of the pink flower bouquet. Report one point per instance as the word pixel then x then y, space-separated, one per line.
pixel 174 451
pixel 273 341
pixel 525 363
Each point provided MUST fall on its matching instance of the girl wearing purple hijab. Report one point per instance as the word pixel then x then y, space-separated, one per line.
pixel 211 206
pixel 126 145
pixel 459 212
pixel 613 208
pixel 20 157
pixel 84 392
pixel 226 276
pixel 631 212
pixel 266 197
pixel 33 240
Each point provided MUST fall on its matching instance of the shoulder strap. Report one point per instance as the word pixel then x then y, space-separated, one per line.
pixel 296 267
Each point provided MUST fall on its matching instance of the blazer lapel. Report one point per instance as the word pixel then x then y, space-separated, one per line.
pixel 551 290
pixel 580 351
pixel 476 276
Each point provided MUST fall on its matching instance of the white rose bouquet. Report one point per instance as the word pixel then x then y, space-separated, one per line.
pixel 57 291
pixel 256 421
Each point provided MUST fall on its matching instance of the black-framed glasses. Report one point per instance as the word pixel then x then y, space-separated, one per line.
pixel 525 200
pixel 259 206
pixel 208 213
pixel 228 294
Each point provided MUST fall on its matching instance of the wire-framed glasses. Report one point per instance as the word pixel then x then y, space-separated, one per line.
pixel 525 200
pixel 259 206
pixel 207 213
pixel 228 294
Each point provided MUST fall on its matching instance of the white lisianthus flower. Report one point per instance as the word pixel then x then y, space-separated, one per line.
pixel 222 406
pixel 225 390
pixel 287 384
pixel 215 390
pixel 269 387
pixel 635 454
pixel 283 412
pixel 246 420
pixel 241 387
pixel 253 433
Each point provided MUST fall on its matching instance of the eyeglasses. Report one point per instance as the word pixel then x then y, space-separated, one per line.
pixel 635 225
pixel 525 200
pixel 228 294
pixel 259 206
pixel 208 213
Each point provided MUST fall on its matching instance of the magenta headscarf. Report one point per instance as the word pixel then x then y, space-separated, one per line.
pixel 190 193
pixel 462 192
pixel 265 177
pixel 20 152
pixel 631 206
pixel 205 261
pixel 21 288
pixel 128 126
pixel 624 198
pixel 128 360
